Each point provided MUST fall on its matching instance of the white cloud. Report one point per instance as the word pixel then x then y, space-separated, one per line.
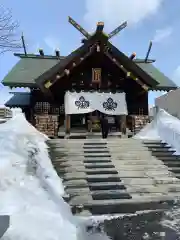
pixel 176 76
pixel 52 42
pixel 114 12
pixel 162 34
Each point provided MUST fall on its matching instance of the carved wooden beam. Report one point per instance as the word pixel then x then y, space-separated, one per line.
pixel 117 30
pixel 128 74
pixel 79 28
pixel 68 70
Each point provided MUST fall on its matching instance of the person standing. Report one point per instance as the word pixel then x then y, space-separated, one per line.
pixel 104 126
pixel 117 123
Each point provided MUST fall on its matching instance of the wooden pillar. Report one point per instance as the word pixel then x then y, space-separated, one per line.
pixel 67 123
pixel 123 124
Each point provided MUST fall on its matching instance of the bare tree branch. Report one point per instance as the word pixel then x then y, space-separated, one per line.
pixel 9 41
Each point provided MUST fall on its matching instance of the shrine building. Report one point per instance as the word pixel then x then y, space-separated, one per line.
pixel 68 93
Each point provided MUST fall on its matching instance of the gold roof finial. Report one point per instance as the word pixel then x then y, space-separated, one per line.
pixel 100 24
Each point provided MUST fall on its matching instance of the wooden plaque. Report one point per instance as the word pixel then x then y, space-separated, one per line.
pixel 96 75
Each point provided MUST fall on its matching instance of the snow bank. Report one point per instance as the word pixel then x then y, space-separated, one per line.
pixel 149 132
pixel 164 127
pixel 30 189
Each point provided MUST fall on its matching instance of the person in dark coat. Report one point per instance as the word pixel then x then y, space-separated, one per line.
pixel 117 123
pixel 104 126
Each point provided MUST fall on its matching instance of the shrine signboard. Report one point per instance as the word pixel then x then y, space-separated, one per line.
pixel 96 75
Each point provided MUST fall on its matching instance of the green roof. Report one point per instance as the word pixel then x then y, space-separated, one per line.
pixel 19 99
pixel 27 70
pixel 164 82
pixel 31 68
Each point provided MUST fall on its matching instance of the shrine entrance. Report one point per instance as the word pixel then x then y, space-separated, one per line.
pixel 83 111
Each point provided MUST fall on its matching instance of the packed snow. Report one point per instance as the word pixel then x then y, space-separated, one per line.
pixel 31 192
pixel 164 127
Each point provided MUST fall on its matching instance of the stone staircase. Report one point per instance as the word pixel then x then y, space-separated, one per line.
pixel 164 153
pixel 118 176
pixel 115 176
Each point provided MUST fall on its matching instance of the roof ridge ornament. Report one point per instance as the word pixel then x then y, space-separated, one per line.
pixel 100 26
pixel 148 52
pixel 117 30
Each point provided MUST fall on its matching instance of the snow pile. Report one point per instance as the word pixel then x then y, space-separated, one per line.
pixel 149 132
pixel 164 127
pixel 30 189
pixel 16 111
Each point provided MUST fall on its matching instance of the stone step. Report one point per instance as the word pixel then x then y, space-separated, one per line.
pixel 166 180
pixel 116 220
pixel 160 146
pixel 162 150
pixel 95 147
pixel 162 154
pixel 174 169
pixel 124 168
pixel 96 155
pixel 139 181
pixel 177 175
pixel 97 160
pixel 138 162
pixel 141 191
pixel 87 165
pixel 99 151
pixel 152 142
pixel 121 149
pixel 139 168
pixel 169 158
pixel 98 165
pixel 91 148
pixel 59 160
pixel 106 186
pixel 93 140
pixel 142 174
pixel 99 195
pixel 94 143
pixel 74 184
pixel 172 163
pixel 121 205
pixel 92 178
pixel 93 171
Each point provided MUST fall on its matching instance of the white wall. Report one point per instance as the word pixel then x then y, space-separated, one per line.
pixel 170 102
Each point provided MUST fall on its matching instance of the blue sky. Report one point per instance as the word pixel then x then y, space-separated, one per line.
pixel 44 24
